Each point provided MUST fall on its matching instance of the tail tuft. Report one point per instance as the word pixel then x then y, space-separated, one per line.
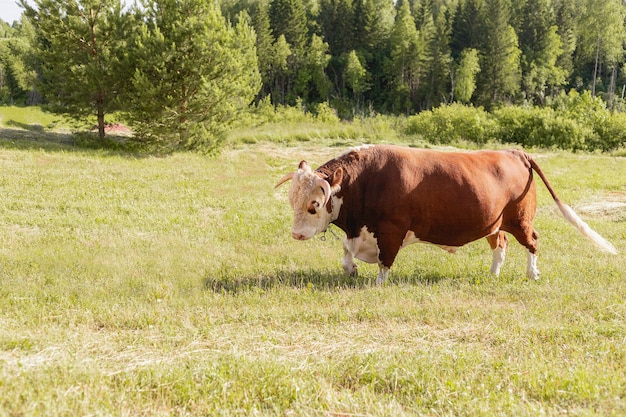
pixel 584 228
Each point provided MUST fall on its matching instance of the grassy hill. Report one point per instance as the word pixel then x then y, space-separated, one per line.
pixel 139 285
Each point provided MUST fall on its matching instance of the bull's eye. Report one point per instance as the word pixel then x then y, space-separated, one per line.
pixel 313 207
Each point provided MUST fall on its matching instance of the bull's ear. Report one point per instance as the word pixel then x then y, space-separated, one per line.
pixel 304 166
pixel 335 179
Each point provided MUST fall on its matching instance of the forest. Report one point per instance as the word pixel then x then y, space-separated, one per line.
pixel 182 71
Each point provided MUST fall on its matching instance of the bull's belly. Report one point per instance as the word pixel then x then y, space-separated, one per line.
pixel 365 246
pixel 410 238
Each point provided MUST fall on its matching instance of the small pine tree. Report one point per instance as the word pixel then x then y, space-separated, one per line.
pixel 79 42
pixel 193 73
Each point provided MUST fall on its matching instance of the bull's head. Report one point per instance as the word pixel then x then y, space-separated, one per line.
pixel 309 196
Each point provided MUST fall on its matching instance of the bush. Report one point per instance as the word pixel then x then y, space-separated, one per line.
pixel 452 123
pixel 541 127
pixel 326 114
pixel 611 132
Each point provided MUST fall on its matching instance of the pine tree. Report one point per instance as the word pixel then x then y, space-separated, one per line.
pixel 566 21
pixel 540 46
pixel 193 73
pixel 264 44
pixel 280 70
pixel 467 29
pixel 406 66
pixel 365 18
pixel 499 55
pixel 436 33
pixel 374 21
pixel 335 21
pixel 317 61
pixel 79 42
pixel 288 18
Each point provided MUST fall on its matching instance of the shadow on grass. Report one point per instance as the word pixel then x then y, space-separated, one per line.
pixel 30 127
pixel 226 282
pixel 34 137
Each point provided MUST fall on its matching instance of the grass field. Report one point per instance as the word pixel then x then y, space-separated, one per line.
pixel 134 285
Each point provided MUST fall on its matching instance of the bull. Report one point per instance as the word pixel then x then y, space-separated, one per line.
pixel 386 197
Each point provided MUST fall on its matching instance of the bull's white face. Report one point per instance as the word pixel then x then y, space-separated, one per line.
pixel 308 197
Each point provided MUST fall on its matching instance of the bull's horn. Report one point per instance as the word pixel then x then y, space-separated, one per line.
pixel 285 179
pixel 326 188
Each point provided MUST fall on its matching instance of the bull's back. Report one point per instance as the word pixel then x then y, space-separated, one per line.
pixel 447 198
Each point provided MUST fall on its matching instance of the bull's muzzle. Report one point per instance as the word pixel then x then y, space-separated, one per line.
pixel 298 236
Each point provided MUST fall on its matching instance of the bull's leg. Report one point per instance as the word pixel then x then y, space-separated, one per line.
pixel 389 245
pixel 499 244
pixel 383 273
pixel 348 264
pixel 528 237
pixel 531 269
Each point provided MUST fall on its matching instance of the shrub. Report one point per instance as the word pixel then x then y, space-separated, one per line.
pixel 326 114
pixel 452 123
pixel 611 132
pixel 541 127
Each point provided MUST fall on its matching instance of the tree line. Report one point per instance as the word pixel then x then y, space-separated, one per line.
pixel 180 70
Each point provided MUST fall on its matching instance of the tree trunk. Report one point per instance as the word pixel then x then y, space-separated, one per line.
pixel 595 69
pixel 100 109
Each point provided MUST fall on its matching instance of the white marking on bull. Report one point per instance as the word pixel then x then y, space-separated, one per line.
pixel 499 254
pixel 410 239
pixel 336 208
pixel 531 269
pixel 363 247
pixel 383 273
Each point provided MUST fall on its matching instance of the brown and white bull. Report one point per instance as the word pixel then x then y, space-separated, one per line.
pixel 387 197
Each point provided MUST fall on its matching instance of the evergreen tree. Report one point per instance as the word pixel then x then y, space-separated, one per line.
pixel 313 79
pixel 406 66
pixel 365 19
pixel 288 18
pixel 374 21
pixel 336 19
pixel 79 42
pixel 264 44
pixel 440 61
pixel 540 45
pixel 566 20
pixel 499 78
pixel 280 70
pixel 194 72
pixel 422 12
pixel 467 29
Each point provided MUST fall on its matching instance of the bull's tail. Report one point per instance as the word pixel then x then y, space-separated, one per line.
pixel 571 215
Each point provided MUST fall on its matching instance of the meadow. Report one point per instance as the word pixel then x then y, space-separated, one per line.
pixel 140 285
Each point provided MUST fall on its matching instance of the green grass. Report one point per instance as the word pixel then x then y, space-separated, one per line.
pixel 170 286
pixel 29 118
